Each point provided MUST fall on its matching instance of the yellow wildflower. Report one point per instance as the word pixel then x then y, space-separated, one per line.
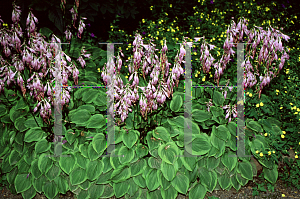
pixel 273 151
pixel 250 95
pixel 296 156
pixel 257 105
pixel 261 104
pixel 282 195
pixel 261 154
pixel 266 134
pixel 283 132
pixel 257 152
pixel 282 136
pixel 269 153
pixel 170 5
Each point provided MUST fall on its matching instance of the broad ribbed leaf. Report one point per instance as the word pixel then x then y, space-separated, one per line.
pixel 94 169
pixel 50 189
pixel 218 98
pixel 197 192
pixel 99 142
pixel 176 103
pixel 129 138
pixel 67 163
pixel 162 134
pixel 125 155
pixel 271 174
pixel 229 161
pixel 201 115
pixel 97 121
pixel 168 170
pixel 34 134
pixel 78 176
pixel 121 188
pixel 168 152
pixel 152 179
pixel 22 183
pixel 180 182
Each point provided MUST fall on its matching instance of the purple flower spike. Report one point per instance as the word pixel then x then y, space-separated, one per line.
pixel 89 25
pixel 283 6
pixel 92 35
pixel 64 141
pixel 211 1
pixel 144 33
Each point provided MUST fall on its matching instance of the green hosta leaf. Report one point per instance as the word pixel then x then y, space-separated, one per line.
pixel 20 124
pixel 221 132
pixel 152 179
pixel 153 143
pixel 90 95
pixel 12 175
pixel 168 152
pixel 201 115
pixel 29 193
pixel 53 172
pixel 204 175
pixel 78 176
pixel 224 181
pixel 44 163
pixel 161 133
pixel 212 163
pixel 39 182
pixel 70 136
pixel 181 182
pixel 234 182
pixel 218 98
pixel 83 194
pixel 138 167
pixel 164 183
pixel 154 163
pixel 141 151
pixel 255 126
pixel 34 169
pixel 125 155
pixel 42 146
pixel 228 161
pixel 94 169
pixel 31 122
pixel 176 103
pixel 95 191
pixel 168 170
pixel 14 157
pixel 46 31
pixel 62 184
pixel 129 138
pixel 197 192
pixel 140 181
pixel 80 116
pixel 2 110
pixel 214 181
pixel 154 194
pixel 241 180
pixel 97 121
pixel 121 174
pixel 133 189
pixel 101 99
pixel 34 134
pixel 50 189
pixel 121 188
pixel 177 121
pixel 14 114
pixel 88 107
pixel 67 163
pixel 99 143
pixel 188 162
pixel 85 185
pixel 216 111
pixel 108 192
pixel 199 146
pixel 271 174
pixel 93 155
pixel 104 177
pixel 22 183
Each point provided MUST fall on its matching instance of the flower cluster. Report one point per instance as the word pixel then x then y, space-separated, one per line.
pixel 159 87
pixel 38 55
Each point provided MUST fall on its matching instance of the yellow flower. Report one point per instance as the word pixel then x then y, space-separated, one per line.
pixel 257 105
pixel 203 79
pixel 281 107
pixel 283 132
pixel 196 75
pixel 282 136
pixel 299 143
pixel 170 5
pixel 269 153
pixel 282 195
pixel 250 95
pixel 277 91
pixel 296 156
pixel 256 152
pixel 261 104
pixel 261 154
pixel 298 109
pixel 273 151
pixel 126 77
pixel 266 134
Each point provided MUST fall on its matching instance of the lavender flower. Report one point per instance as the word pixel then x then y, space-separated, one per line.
pixel 92 35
